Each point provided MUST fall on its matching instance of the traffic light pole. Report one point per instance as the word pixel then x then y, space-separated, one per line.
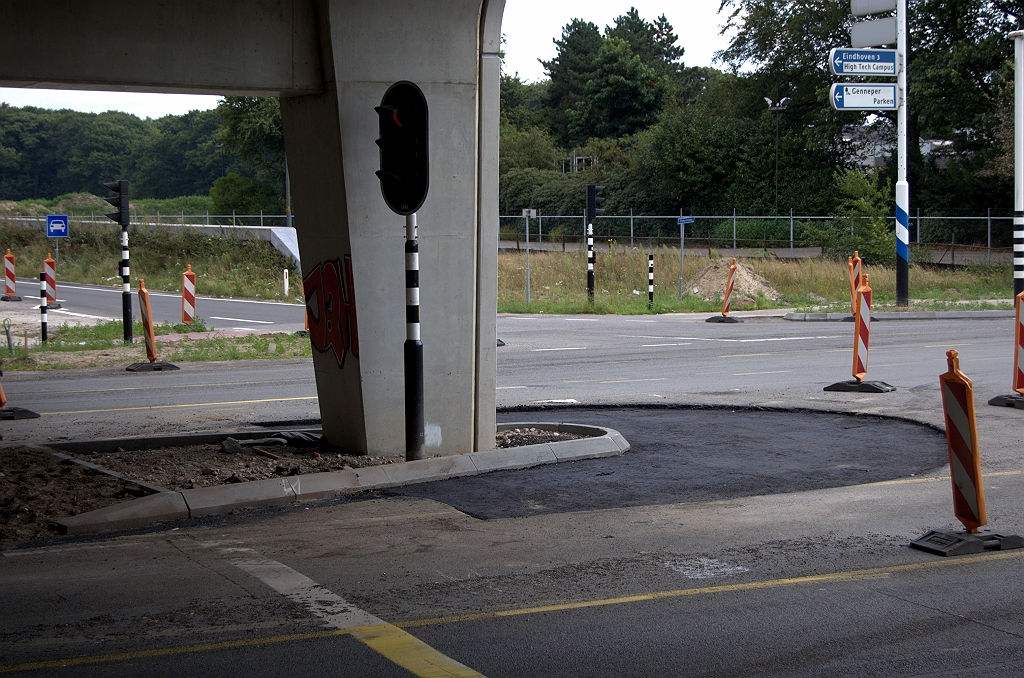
pixel 126 294
pixel 1018 162
pixel 590 262
pixel 902 187
pixel 414 418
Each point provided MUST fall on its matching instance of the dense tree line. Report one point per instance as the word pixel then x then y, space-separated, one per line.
pixel 664 137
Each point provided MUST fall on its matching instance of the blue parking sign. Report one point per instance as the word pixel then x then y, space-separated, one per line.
pixel 57 225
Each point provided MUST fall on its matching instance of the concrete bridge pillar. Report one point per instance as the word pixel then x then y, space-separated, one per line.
pixel 352 245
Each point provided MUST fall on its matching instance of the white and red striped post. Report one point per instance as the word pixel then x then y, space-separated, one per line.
pixel 729 283
pixel 188 296
pixel 862 336
pixel 650 282
pixel 50 271
pixel 10 282
pixel 1018 355
pixel 962 442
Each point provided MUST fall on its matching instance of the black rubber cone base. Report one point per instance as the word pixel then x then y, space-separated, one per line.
pixel 1012 400
pixel 18 413
pixel 10 297
pixel 949 543
pixel 54 305
pixel 854 386
pixel 500 342
pixel 152 367
pixel 722 319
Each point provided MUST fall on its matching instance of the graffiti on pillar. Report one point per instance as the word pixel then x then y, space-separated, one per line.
pixel 331 308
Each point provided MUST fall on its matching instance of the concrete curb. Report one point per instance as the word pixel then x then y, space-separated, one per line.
pixel 219 499
pixel 904 315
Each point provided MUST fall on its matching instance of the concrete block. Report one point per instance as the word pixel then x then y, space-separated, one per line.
pixel 127 515
pixel 206 501
pixel 585 448
pixel 516 457
pixel 437 468
pixel 617 438
pixel 581 429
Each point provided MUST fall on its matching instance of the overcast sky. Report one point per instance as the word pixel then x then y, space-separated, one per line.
pixel 529 27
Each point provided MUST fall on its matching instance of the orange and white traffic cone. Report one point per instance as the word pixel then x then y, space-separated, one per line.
pixel 147 329
pixel 727 299
pixel 188 296
pixel 50 274
pixel 854 264
pixel 861 344
pixel 10 282
pixel 1016 399
pixel 965 472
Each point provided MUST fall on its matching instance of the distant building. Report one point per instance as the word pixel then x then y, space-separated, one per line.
pixel 871 145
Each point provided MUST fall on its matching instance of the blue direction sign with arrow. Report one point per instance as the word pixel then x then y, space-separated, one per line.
pixel 868 96
pixel 684 220
pixel 56 225
pixel 847 61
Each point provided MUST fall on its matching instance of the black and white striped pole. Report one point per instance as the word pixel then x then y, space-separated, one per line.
pixel 591 215
pixel 414 417
pixel 42 303
pixel 1018 163
pixel 123 217
pixel 650 282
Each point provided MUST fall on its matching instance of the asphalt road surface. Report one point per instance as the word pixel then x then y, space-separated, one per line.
pixel 666 561
pixel 104 303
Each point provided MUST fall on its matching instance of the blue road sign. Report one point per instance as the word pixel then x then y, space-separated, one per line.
pixel 847 61
pixel 684 220
pixel 57 225
pixel 864 97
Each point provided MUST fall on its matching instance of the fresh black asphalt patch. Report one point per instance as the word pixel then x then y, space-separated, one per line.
pixel 697 455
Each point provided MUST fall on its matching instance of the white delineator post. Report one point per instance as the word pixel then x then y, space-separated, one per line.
pixel 902 187
pixel 1018 162
pixel 286 282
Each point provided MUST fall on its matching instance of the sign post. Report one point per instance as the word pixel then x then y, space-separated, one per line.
pixel 527 215
pixel 682 221
pixel 57 227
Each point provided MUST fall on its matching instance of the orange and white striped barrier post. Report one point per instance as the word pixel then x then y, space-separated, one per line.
pixel 854 263
pixel 50 274
pixel 1016 399
pixel 965 473
pixel 147 329
pixel 188 296
pixel 10 282
pixel 730 282
pixel 962 442
pixel 861 345
pixel 13 412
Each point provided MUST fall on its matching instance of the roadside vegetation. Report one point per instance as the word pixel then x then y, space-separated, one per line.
pixel 558 284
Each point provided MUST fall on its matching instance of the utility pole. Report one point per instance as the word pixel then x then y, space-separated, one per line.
pixel 777 108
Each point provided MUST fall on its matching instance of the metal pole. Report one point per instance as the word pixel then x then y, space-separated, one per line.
pixel 988 257
pixel 42 303
pixel 734 229
pixel 126 287
pixel 414 418
pixel 630 228
pixel 790 232
pixel 540 231
pixel 1018 162
pixel 287 196
pixel 527 260
pixel 590 262
pixel 682 251
pixel 776 169
pixel 902 187
pixel 918 226
pixel 650 282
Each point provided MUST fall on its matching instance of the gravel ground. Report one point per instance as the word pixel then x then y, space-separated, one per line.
pixel 37 488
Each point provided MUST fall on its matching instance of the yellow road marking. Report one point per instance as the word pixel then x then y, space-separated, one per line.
pixel 743 355
pixel 409 652
pixel 167 407
pixel 853 575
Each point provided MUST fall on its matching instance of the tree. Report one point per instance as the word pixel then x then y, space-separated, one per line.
pixel 654 43
pixel 520 148
pixel 570 70
pixel 252 131
pixel 181 156
pixel 244 195
pixel 623 96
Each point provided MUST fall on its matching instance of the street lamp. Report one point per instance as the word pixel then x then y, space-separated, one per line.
pixel 781 106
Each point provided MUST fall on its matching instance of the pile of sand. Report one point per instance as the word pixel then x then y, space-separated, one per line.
pixel 709 283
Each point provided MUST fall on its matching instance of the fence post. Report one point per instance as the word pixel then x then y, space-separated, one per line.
pixel 918 226
pixel 682 251
pixel 790 232
pixel 630 228
pixel 988 257
pixel 734 230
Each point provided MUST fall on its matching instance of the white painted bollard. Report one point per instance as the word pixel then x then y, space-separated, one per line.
pixel 286 282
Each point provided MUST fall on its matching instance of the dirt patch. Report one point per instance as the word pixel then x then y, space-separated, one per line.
pixel 517 437
pixel 709 283
pixel 37 488
pixel 48 360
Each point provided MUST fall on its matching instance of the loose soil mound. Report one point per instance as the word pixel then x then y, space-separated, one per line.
pixel 709 283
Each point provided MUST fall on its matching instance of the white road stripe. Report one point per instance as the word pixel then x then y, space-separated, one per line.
pixel 242 320
pixel 574 348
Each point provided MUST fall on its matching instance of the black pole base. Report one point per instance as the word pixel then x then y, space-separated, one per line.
pixel 1012 400
pixel 415 422
pixel 500 343
pixel 854 386
pixel 10 297
pixel 17 413
pixel 950 543
pixel 152 367
pixel 53 305
pixel 723 319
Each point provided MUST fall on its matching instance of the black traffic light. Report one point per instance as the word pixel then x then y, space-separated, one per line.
pixel 593 201
pixel 120 201
pixel 404 168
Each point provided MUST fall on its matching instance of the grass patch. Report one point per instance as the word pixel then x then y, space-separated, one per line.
pixel 225 266
pixel 558 284
pixel 239 348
